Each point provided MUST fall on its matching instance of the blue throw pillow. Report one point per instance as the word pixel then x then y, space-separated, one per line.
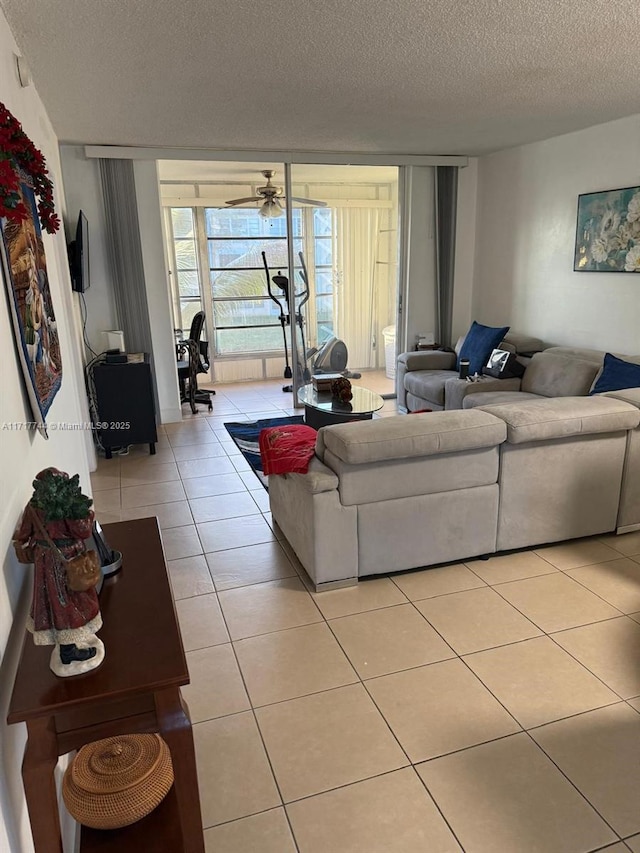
pixel 478 345
pixel 616 375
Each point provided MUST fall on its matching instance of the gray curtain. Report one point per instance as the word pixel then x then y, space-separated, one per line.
pixel 446 179
pixel 125 251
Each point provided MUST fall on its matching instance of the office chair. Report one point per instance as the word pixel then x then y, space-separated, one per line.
pixel 193 358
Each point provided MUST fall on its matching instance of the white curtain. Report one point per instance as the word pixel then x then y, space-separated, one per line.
pixel 355 302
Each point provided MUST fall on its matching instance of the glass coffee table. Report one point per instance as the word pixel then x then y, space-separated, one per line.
pixel 320 409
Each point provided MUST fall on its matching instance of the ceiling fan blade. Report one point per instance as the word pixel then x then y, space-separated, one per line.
pixel 312 201
pixel 243 200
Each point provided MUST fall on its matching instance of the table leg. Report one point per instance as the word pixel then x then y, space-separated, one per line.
pixel 38 767
pixel 175 728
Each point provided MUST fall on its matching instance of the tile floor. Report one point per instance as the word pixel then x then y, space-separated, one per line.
pixel 490 707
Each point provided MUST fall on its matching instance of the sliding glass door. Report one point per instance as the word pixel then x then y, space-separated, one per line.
pixel 330 245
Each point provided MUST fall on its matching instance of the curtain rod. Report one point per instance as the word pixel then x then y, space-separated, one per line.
pixel 329 158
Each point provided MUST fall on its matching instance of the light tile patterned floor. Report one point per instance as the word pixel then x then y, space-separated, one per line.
pixel 490 707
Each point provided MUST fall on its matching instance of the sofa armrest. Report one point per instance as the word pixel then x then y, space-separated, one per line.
pixel 319 478
pixel 455 390
pixel 428 360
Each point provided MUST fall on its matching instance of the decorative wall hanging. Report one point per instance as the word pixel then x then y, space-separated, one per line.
pixel 608 231
pixel 26 201
pixel 20 160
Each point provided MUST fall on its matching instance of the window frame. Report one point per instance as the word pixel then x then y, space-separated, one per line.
pixel 176 298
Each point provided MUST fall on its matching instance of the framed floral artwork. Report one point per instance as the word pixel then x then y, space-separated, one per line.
pixel 608 231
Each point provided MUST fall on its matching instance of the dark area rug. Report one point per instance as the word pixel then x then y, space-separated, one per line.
pixel 245 436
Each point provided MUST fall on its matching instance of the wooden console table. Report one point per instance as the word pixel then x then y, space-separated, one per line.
pixel 137 689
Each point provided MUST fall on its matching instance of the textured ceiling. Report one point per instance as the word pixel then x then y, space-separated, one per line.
pixel 409 76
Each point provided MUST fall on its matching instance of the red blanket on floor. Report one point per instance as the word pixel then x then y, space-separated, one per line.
pixel 287 449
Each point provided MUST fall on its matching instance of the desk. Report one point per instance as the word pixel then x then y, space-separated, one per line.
pixel 137 689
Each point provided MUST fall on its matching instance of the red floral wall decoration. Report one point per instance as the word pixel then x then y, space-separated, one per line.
pixel 20 160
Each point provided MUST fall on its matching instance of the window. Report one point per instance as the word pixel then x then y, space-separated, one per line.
pixel 185 250
pixel 323 255
pixel 245 318
pixel 229 242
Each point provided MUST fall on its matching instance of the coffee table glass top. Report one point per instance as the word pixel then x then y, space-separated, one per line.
pixel 363 402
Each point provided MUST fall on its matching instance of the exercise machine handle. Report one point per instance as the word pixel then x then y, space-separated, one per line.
pixel 269 291
pixel 305 279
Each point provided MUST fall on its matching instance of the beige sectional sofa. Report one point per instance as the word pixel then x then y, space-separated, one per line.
pixel 572 371
pixel 427 380
pixel 408 491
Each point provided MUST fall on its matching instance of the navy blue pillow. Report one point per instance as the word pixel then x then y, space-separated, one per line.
pixel 616 375
pixel 478 345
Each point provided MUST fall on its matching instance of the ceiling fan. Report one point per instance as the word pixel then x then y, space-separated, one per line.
pixel 272 198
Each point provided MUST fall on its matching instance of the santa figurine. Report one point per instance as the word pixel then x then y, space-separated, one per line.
pixel 55 524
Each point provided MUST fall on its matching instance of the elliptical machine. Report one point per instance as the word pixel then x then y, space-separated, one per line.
pixel 282 283
pixel 331 357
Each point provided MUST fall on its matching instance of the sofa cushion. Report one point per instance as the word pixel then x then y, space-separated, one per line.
pixel 562 417
pixel 457 389
pixel 557 375
pixel 594 355
pixel 616 375
pixel 629 395
pixel 392 479
pixel 522 343
pixel 478 344
pixel 403 437
pixel 497 398
pixel 428 384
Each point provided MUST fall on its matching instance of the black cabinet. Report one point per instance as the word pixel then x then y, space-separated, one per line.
pixel 121 397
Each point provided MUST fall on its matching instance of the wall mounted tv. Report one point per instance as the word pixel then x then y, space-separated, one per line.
pixel 79 256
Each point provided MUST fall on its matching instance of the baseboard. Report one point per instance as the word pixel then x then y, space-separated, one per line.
pixel 628 528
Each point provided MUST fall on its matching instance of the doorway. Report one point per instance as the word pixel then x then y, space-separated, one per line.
pixel 344 228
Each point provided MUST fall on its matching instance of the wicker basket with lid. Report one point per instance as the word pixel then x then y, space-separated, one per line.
pixel 116 781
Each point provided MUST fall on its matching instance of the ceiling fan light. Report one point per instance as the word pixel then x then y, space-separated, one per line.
pixel 270 210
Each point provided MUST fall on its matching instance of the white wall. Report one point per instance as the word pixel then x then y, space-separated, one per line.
pixel 419 309
pixel 83 191
pixel 156 277
pixel 465 249
pixel 526 221
pixel 23 454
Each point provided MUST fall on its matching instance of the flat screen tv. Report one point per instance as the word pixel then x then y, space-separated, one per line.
pixel 79 256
